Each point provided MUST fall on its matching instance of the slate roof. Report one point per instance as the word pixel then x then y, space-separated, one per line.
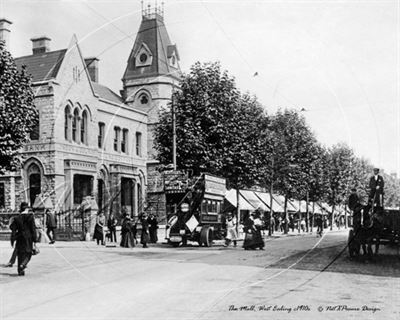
pixel 106 93
pixel 153 33
pixel 42 66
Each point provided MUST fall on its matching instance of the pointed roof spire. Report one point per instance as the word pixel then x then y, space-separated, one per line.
pixel 153 53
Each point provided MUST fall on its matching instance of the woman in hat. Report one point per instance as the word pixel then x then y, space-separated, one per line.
pixel 231 232
pixel 98 229
pixel 128 232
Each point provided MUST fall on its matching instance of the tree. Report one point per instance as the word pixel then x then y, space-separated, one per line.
pixel 18 115
pixel 293 154
pixel 340 174
pixel 217 127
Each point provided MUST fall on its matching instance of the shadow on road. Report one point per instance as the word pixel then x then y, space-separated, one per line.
pixel 336 259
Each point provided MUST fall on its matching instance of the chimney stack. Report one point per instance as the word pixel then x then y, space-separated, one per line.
pixel 40 44
pixel 92 65
pixel 5 32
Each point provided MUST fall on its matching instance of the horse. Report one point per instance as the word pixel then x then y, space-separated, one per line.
pixel 367 227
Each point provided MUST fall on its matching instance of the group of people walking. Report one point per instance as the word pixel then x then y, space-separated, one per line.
pixel 129 229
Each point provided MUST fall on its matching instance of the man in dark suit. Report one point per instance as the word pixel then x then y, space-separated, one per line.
pixel 23 232
pixel 354 200
pixel 376 187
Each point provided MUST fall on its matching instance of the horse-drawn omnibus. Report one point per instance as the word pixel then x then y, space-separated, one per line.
pixel 194 208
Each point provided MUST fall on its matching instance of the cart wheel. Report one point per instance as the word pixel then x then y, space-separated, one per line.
pixel 175 244
pixel 206 236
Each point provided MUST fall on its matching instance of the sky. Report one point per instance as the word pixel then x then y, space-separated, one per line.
pixel 337 60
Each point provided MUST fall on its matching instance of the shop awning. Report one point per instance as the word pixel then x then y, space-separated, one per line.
pixel 243 203
pixel 281 199
pixel 266 198
pixel 255 201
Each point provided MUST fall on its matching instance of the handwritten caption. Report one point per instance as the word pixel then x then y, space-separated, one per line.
pixel 303 308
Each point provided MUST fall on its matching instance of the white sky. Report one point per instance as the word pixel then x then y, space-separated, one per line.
pixel 337 59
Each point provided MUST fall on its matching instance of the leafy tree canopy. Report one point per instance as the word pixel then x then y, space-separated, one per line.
pixel 18 115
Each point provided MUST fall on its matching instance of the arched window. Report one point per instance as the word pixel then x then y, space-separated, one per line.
pixel 67 114
pixel 34 178
pixel 84 128
pixel 75 120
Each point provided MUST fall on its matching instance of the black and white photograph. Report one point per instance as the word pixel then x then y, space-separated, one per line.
pixel 199 159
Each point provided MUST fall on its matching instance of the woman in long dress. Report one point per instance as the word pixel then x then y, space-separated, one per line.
pixel 98 229
pixel 128 232
pixel 231 232
pixel 253 238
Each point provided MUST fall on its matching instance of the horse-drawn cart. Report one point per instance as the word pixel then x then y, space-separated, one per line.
pixel 378 228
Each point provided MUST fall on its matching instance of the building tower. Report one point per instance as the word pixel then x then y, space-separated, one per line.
pixel 152 71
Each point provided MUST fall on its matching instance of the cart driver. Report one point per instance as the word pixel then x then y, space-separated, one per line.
pixel 376 186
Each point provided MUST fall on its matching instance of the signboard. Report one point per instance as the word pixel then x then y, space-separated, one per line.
pixel 175 181
pixel 192 223
pixel 209 218
pixel 185 207
pixel 215 185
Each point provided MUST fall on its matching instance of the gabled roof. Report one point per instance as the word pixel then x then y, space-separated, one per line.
pixel 153 33
pixel 106 93
pixel 42 66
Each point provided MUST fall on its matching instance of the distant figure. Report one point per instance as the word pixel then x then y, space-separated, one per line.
pixel 15 252
pixel 98 229
pixel 303 225
pixel 51 225
pixel 231 232
pixel 23 233
pixel 252 229
pixel 144 237
pixel 319 223
pixel 153 227
pixel 376 187
pixel 112 227
pixel 128 232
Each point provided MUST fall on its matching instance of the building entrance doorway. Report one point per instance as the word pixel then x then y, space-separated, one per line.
pixel 127 195
pixel 83 187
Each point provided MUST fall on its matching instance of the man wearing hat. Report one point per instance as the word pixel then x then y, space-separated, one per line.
pixel 24 235
pixel 376 186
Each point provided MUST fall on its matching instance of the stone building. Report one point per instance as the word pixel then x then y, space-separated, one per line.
pixel 91 140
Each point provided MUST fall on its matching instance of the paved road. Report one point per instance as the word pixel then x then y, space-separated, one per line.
pixel 83 281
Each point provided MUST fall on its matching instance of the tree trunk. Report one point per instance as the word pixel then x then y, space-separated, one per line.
pixel 313 215
pixel 286 216
pixel 307 213
pixel 270 210
pixel 332 216
pixel 345 216
pixel 237 208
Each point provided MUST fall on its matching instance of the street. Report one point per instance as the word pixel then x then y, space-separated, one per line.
pixel 297 276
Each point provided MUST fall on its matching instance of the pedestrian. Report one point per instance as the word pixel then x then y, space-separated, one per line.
pixel 231 232
pixel 252 229
pixel 376 186
pixel 144 237
pixel 14 254
pixel 23 234
pixel 303 225
pixel 51 225
pixel 319 223
pixel 153 227
pixel 128 232
pixel 112 227
pixel 98 229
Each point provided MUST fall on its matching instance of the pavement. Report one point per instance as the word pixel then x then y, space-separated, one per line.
pixel 296 277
